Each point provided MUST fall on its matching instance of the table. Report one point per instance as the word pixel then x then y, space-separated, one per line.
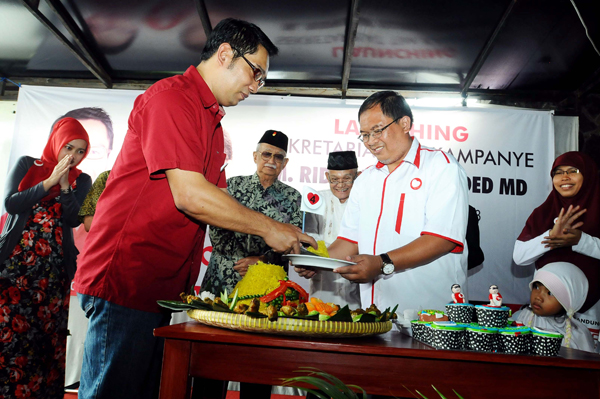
pixel 385 364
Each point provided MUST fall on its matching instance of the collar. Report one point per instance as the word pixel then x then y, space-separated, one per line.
pixel 413 156
pixel 206 96
pixel 256 181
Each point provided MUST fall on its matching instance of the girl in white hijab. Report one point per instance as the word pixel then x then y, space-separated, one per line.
pixel 558 290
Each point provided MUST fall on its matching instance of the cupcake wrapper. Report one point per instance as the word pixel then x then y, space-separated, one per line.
pixel 479 341
pixel 460 314
pixel 448 339
pixel 418 330
pixel 545 346
pixel 492 317
pixel 515 344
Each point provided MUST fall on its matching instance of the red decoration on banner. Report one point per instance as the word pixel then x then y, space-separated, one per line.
pixel 313 198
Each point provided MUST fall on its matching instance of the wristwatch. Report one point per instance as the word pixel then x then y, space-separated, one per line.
pixel 388 266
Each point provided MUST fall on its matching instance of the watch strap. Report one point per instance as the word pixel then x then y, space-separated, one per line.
pixel 387 267
pixel 386 258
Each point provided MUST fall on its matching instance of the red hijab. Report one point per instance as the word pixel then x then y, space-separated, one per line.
pixel 64 131
pixel 588 197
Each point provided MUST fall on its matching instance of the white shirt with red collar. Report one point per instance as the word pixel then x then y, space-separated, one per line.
pixel 425 194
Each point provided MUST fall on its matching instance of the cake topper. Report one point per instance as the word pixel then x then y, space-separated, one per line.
pixel 457 296
pixel 495 297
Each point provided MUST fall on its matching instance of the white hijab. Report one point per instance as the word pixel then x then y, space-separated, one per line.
pixel 569 286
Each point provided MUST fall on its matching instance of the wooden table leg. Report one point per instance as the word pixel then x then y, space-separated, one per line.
pixel 175 381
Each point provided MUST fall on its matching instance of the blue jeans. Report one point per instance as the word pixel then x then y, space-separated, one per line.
pixel 121 356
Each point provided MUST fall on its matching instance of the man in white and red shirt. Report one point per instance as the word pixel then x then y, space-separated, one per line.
pixel 406 217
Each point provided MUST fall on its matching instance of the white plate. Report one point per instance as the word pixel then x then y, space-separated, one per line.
pixel 316 261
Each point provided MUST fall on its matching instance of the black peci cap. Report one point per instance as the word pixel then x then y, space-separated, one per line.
pixel 275 138
pixel 342 160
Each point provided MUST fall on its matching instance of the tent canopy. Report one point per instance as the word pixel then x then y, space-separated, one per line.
pixel 528 50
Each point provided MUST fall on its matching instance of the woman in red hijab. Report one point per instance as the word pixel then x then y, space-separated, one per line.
pixel 566 227
pixel 37 263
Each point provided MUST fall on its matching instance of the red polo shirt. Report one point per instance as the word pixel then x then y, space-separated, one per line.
pixel 141 247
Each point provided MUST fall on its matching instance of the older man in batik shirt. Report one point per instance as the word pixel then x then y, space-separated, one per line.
pixel 234 252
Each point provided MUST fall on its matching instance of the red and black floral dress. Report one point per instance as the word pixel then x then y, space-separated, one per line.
pixel 34 307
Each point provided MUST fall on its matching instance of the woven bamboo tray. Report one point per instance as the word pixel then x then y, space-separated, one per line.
pixel 288 326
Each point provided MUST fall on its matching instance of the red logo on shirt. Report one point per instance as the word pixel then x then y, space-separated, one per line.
pixel 416 183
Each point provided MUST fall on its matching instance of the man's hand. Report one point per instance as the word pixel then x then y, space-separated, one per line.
pixel 339 249
pixel 418 252
pixel 306 273
pixel 241 266
pixel 203 201
pixel 367 268
pixel 287 238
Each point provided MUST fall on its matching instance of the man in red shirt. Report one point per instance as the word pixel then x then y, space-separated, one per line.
pixel 165 186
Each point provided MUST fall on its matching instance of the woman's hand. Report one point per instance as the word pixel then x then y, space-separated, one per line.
pixel 60 174
pixel 565 233
pixel 241 266
pixel 568 239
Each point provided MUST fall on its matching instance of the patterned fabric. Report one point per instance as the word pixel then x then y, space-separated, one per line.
pixel 88 208
pixel 34 306
pixel 278 201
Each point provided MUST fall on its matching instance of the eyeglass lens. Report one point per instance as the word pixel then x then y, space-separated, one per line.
pixel 364 137
pixel 569 172
pixel 258 75
pixel 266 155
pixel 347 180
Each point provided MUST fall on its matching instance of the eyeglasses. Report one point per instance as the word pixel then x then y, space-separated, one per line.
pixel 346 180
pixel 569 172
pixel 375 133
pixel 258 74
pixel 266 155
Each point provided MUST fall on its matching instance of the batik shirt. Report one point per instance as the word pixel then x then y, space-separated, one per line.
pixel 278 201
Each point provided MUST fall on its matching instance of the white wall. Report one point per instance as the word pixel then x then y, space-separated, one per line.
pixel 7 122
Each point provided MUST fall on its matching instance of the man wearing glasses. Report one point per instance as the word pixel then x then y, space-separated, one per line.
pixel 342 170
pixel 167 183
pixel 406 217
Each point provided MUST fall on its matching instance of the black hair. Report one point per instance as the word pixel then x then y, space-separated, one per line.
pixel 94 113
pixel 392 104
pixel 243 36
pixel 454 285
